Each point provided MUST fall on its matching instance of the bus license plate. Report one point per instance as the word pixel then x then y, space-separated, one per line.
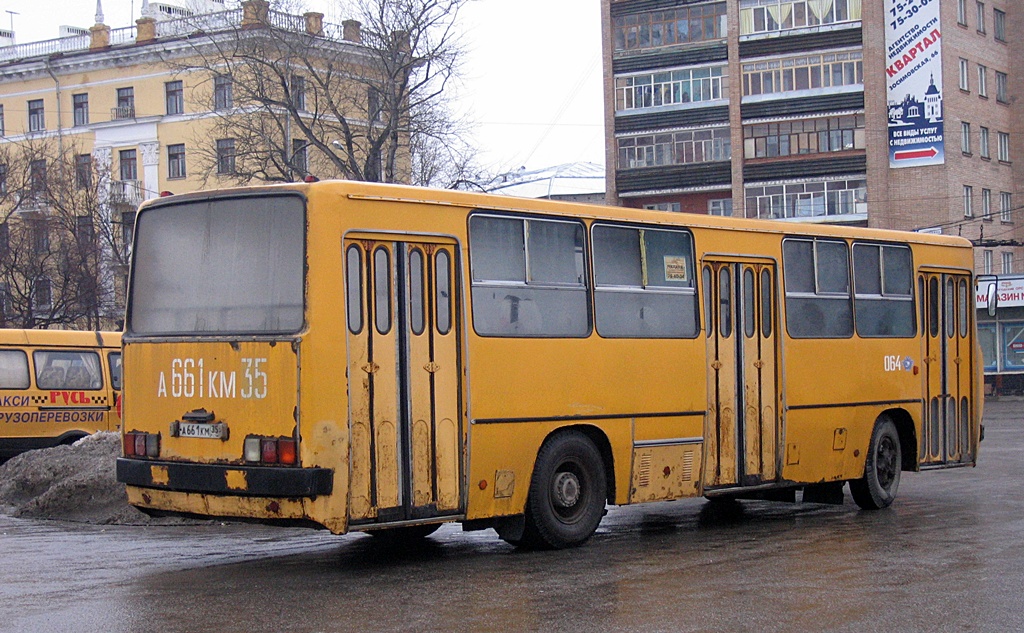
pixel 218 431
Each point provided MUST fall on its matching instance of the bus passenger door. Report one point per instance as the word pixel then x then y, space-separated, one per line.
pixel 946 432
pixel 741 436
pixel 404 385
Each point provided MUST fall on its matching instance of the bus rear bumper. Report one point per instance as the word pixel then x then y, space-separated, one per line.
pixel 223 479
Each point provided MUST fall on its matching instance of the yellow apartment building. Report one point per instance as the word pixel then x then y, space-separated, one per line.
pixel 97 121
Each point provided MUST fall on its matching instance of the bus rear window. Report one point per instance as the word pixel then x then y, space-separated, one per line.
pixel 220 266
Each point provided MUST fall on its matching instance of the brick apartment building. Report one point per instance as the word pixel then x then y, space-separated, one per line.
pixel 904 114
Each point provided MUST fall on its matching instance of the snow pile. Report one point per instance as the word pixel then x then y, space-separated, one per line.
pixel 69 483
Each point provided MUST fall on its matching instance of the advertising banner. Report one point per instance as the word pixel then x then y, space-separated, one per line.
pixel 1010 293
pixel 913 42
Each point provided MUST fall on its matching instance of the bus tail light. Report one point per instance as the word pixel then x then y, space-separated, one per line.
pixel 286 452
pixel 141 444
pixel 270 450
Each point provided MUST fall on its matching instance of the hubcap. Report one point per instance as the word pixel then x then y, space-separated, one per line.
pixel 885 464
pixel 566 490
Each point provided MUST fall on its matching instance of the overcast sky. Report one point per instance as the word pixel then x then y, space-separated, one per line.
pixel 532 78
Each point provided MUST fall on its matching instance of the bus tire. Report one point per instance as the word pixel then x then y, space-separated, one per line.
pixel 567 493
pixel 877 488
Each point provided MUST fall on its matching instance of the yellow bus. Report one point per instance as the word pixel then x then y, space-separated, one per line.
pixel 368 357
pixel 56 386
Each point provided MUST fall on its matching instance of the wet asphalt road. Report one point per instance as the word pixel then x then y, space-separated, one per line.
pixel 948 556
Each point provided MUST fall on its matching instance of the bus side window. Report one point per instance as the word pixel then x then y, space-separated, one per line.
pixel 818 301
pixel 709 324
pixel 933 306
pixel 766 304
pixel 114 361
pixel 443 300
pixel 964 319
pixel 354 289
pixel 13 370
pixel 382 289
pixel 748 302
pixel 416 296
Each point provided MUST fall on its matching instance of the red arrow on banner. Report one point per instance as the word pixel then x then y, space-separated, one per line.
pixel 931 152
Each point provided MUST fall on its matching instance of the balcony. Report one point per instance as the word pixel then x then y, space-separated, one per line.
pixel 126 192
pixel 122 112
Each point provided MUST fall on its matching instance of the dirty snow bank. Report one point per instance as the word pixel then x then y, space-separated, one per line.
pixel 70 483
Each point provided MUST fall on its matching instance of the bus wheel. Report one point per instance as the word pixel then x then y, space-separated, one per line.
pixel 877 488
pixel 567 493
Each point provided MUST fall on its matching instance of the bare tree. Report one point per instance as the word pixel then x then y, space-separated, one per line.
pixel 60 249
pixel 295 97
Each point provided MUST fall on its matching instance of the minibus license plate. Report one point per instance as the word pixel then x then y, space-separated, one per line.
pixel 218 431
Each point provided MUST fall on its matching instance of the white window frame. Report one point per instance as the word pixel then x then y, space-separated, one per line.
pixel 961 12
pixel 968 201
pixel 965 137
pixel 986 261
pixel 982 81
pixel 986 204
pixel 1007 257
pixel 965 83
pixel 983 148
pixel 1003 146
pixel 1005 206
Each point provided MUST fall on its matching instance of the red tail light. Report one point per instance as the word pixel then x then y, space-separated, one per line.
pixel 129 444
pixel 286 451
pixel 138 444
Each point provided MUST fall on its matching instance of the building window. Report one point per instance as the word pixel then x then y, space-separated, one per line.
pixel 667 27
pixel 174 97
pixel 981 17
pixel 964 71
pixel 2 126
pixel 125 108
pixel 226 156
pixel 300 162
pixel 721 206
pixel 83 171
pixel 982 81
pixel 807 200
pixel 808 136
pixel 1003 148
pixel 37 177
pixel 80 105
pixel 765 16
pixel 682 147
pixel 986 204
pixel 986 259
pixel 983 142
pixel 298 85
pixel 673 207
pixel 961 12
pixel 1001 87
pixel 1007 262
pixel 806 72
pixel 84 231
pixel 968 201
pixel 128 163
pixel 999 24
pixel 223 98
pixel 127 229
pixel 965 137
pixel 3 178
pixel 40 236
pixel 5 239
pixel 671 87
pixel 1005 203
pixel 176 161
pixel 41 296
pixel 36 116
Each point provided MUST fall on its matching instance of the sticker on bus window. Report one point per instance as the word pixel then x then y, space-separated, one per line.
pixel 675 268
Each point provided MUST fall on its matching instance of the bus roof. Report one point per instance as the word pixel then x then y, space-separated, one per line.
pixel 473 200
pixel 58 338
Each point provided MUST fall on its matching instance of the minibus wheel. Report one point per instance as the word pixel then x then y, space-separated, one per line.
pixel 567 492
pixel 877 488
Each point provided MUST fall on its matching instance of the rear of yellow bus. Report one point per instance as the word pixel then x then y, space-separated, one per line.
pixel 213 338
